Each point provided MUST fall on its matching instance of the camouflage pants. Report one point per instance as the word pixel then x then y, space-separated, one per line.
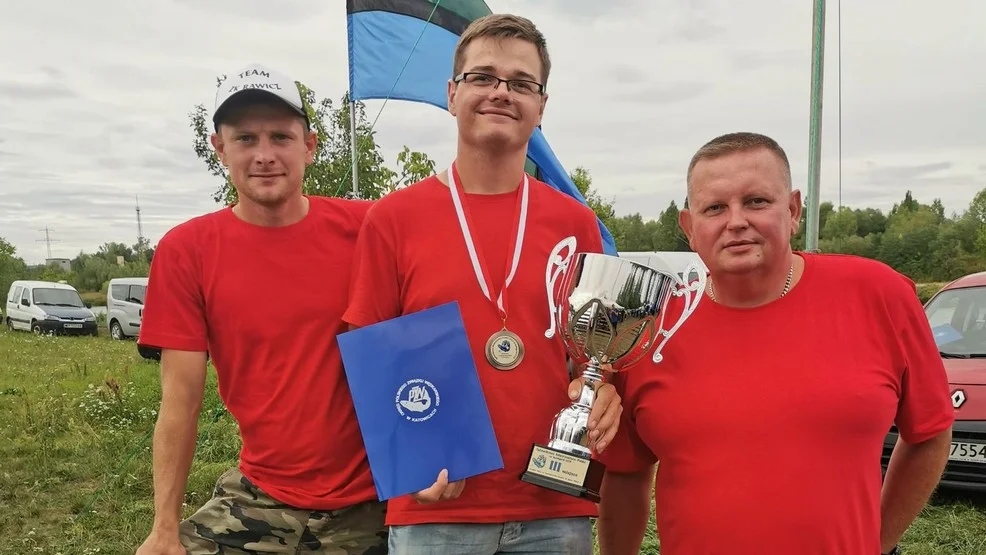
pixel 241 519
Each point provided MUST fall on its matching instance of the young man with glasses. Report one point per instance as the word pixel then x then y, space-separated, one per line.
pixel 481 234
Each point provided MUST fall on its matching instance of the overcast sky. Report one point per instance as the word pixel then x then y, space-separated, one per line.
pixel 94 98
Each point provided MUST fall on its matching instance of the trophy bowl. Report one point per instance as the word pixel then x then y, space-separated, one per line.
pixel 609 313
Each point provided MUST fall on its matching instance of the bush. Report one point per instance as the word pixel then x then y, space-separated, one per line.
pixel 926 290
pixel 96 298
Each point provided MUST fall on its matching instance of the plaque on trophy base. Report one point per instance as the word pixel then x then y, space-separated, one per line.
pixel 564 472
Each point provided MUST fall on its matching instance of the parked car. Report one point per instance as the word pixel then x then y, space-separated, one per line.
pixel 957 314
pixel 125 311
pixel 125 306
pixel 46 307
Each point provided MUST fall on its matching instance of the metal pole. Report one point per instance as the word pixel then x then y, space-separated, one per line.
pixel 353 146
pixel 815 132
pixel 839 23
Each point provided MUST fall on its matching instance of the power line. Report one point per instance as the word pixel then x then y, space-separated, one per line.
pixel 48 240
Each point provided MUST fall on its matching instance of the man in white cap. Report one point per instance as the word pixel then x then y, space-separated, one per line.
pixel 217 285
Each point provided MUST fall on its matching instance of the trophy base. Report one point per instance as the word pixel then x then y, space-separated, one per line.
pixel 564 472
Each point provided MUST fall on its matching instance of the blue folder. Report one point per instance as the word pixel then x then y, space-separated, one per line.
pixel 418 400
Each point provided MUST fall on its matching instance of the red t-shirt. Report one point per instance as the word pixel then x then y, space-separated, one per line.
pixel 412 256
pixel 769 422
pixel 267 303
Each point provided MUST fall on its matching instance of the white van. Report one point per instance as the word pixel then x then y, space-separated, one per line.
pixel 46 307
pixel 125 306
pixel 674 261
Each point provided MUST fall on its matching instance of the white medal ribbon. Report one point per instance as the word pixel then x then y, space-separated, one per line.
pixel 471 246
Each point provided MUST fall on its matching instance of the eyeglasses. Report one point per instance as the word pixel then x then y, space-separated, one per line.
pixel 485 80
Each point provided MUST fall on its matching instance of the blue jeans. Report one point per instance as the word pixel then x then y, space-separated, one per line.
pixel 559 536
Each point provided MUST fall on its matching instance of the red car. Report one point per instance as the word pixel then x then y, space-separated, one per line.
pixel 957 314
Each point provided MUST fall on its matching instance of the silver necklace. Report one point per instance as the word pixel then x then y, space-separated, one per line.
pixel 787 284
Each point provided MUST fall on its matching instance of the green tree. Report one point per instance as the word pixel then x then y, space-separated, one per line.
pixel 110 251
pixel 951 253
pixel 11 267
pixel 414 167
pixel 632 233
pixel 870 220
pixel 914 238
pixel 839 225
pixel 668 235
pixel 907 243
pixel 92 271
pixel 907 205
pixel 330 173
pixel 825 210
pixel 853 244
pixel 976 221
pixel 603 208
pixel 939 209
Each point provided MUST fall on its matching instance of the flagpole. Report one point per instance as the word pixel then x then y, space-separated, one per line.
pixel 353 146
pixel 815 130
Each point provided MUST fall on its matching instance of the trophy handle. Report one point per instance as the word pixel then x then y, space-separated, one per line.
pixel 691 303
pixel 557 264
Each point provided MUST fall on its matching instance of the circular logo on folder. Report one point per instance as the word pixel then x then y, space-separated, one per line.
pixel 417 400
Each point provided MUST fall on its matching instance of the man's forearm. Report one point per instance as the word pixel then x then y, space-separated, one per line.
pixel 912 475
pixel 174 446
pixel 623 511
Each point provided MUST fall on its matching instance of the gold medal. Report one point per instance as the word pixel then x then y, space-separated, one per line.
pixel 504 350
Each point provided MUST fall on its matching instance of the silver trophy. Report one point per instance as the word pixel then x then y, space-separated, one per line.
pixel 610 314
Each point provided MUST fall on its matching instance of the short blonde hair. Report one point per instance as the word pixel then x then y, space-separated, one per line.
pixel 503 26
pixel 738 142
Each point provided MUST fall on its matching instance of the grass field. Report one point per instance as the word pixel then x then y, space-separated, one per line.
pixel 75 467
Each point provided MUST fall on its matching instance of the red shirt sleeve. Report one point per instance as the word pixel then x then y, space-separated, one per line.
pixel 627 452
pixel 174 306
pixel 375 285
pixel 593 236
pixel 925 407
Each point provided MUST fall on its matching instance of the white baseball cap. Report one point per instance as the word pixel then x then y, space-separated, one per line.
pixel 258 79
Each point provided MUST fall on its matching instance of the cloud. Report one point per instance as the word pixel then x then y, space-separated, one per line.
pixel 697 28
pixel 583 11
pixel 286 11
pixel 748 60
pixel 626 75
pixel 96 115
pixel 895 174
pixel 34 91
pixel 664 93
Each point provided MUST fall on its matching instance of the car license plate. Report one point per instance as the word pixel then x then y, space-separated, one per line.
pixel 968 452
pixel 73 325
